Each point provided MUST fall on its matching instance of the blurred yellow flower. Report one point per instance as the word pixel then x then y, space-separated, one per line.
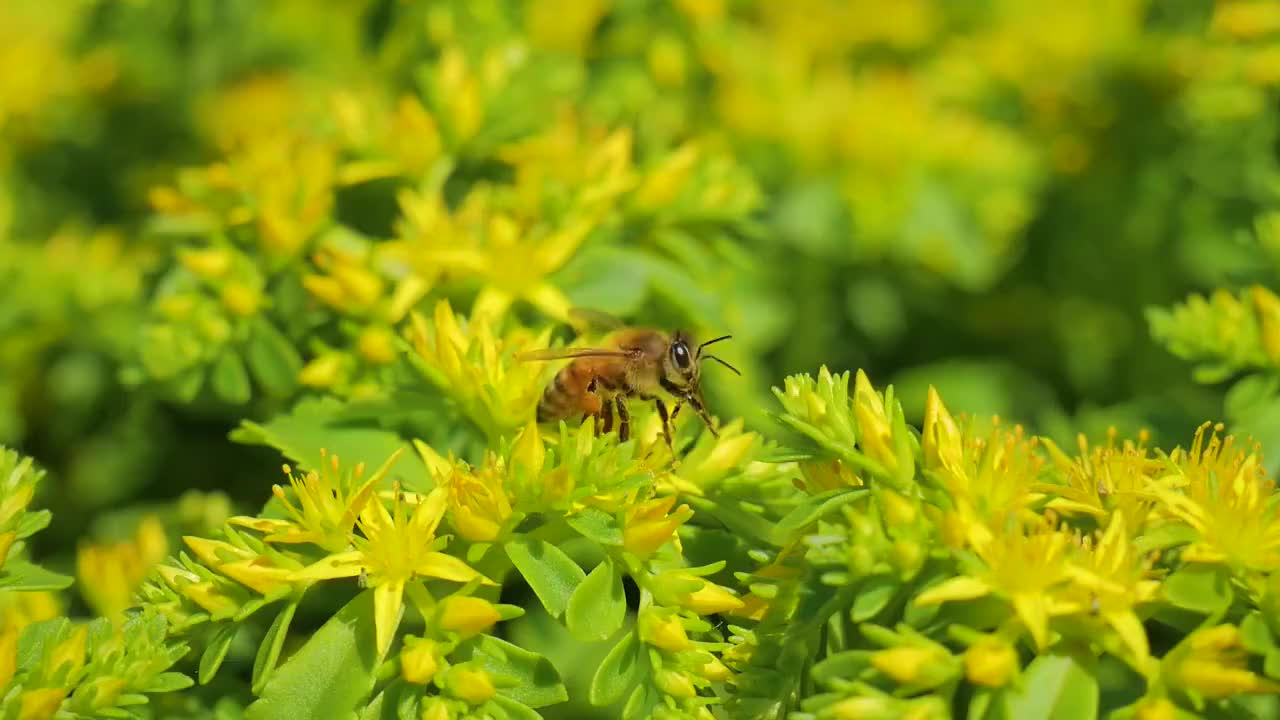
pixel 991 662
pixel 1212 662
pixel 110 574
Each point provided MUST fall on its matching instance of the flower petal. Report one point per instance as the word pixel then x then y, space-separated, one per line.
pixel 1129 628
pixel 1033 610
pixel 347 564
pixel 447 567
pixel 387 611
pixel 959 588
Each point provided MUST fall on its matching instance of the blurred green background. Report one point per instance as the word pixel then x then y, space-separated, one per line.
pixel 987 196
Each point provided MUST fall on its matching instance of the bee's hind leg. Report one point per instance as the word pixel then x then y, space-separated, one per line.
pixel 606 410
pixel 624 420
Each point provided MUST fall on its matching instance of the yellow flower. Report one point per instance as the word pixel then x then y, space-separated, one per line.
pixel 329 501
pixel 711 460
pixel 1212 662
pixel 256 572
pixel 477 369
pixel 663 629
pixel 990 478
pixel 649 525
pixel 478 502
pixel 1024 567
pixel 397 547
pixel 1103 479
pixel 875 431
pixel 1227 499
pixel 8 653
pixel 467 615
pixel 1267 307
pixel 470 684
pixel 68 655
pixel 1156 709
pixel 913 665
pixel 419 660
pixel 675 683
pixel 204 593
pixel 680 588
pixel 1110 578
pixel 111 574
pixel 20 609
pixel 990 662
pixel 41 704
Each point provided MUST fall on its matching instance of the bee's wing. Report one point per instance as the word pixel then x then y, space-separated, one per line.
pixel 585 319
pixel 568 352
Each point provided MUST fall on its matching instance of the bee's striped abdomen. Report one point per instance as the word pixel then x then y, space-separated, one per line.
pixel 569 394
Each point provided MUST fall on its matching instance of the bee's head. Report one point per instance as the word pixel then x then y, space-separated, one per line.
pixel 681 370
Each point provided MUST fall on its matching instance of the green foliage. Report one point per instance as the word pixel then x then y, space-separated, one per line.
pixel 234 233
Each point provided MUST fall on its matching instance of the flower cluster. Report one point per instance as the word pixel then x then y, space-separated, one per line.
pixel 1001 544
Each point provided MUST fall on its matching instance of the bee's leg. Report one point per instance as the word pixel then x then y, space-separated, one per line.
pixel 606 409
pixel 666 424
pixel 702 413
pixel 624 420
pixel 596 416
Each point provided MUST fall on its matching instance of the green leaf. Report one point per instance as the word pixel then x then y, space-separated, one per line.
pixel 216 651
pixel 598 607
pixel 641 703
pixel 264 663
pixel 1201 588
pixel 29 577
pixel 596 525
pixel 515 710
pixel 1271 664
pixel 230 380
pixel 842 665
pixel 552 574
pixel 874 595
pixel 331 676
pixel 620 670
pixel 166 682
pixel 808 512
pixel 32 522
pixel 312 425
pixel 536 681
pixel 273 360
pixel 1055 687
pixel 1254 634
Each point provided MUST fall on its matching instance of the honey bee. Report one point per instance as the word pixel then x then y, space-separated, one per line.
pixel 632 362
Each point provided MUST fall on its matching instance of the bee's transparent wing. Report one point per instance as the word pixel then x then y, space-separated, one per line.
pixel 568 352
pixel 586 319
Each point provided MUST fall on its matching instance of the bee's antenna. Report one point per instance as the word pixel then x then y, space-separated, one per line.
pixel 734 369
pixel 712 341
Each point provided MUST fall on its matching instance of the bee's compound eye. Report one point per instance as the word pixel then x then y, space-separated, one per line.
pixel 680 354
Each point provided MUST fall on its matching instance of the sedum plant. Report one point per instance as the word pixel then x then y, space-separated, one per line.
pixel 237 234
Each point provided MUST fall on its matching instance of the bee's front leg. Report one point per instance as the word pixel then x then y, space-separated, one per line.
pixel 666 423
